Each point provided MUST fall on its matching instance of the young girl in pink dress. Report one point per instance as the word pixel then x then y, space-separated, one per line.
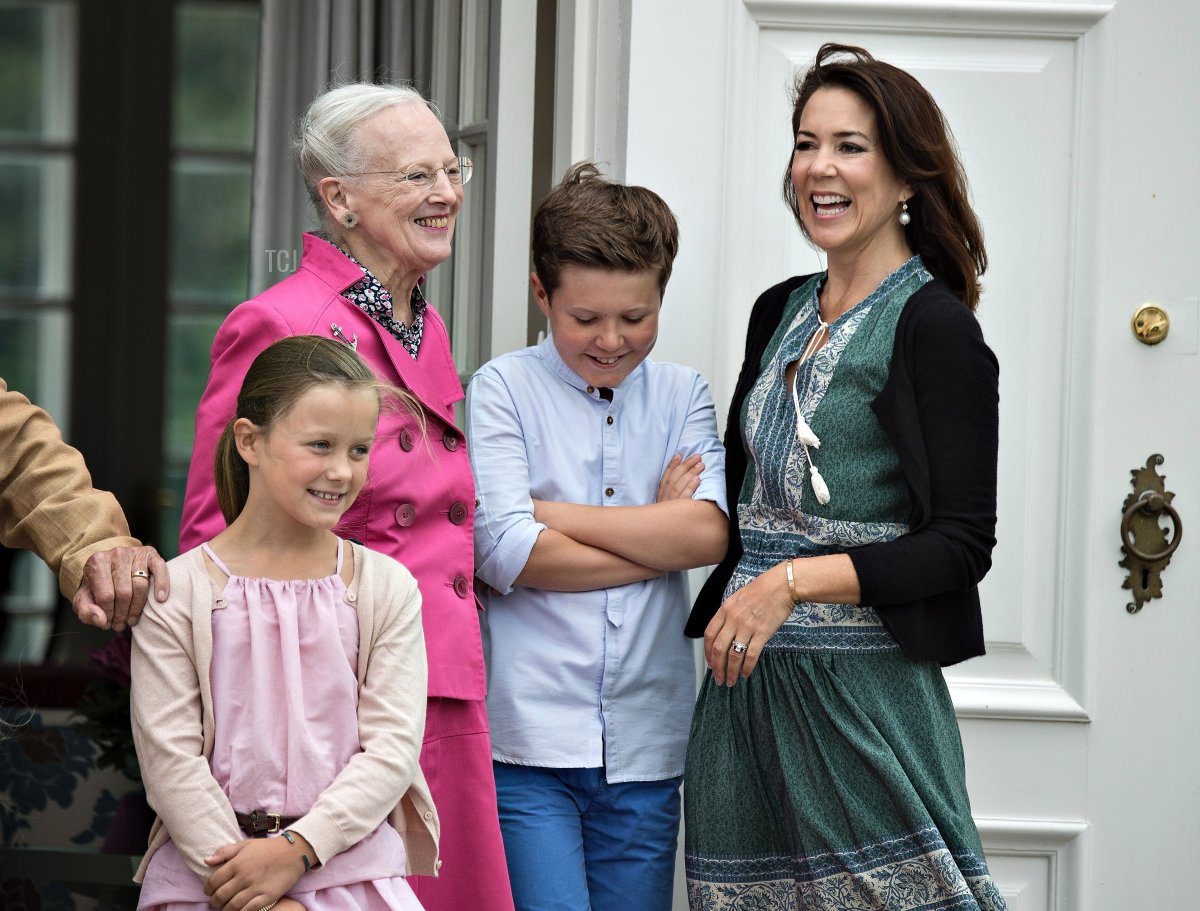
pixel 278 694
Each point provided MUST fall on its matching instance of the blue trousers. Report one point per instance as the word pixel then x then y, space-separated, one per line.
pixel 576 843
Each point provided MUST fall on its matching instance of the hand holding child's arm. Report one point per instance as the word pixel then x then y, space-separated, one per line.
pixel 253 873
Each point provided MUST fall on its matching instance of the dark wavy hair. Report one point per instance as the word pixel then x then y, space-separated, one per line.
pixel 276 380
pixel 588 220
pixel 918 144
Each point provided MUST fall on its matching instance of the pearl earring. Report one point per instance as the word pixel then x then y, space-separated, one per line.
pixel 905 218
pixel 350 219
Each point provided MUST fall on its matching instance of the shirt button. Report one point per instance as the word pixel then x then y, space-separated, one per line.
pixel 608 491
pixel 591 389
pixel 450 441
pixel 458 514
pixel 406 440
pixel 610 419
pixel 461 587
pixel 351 596
pixel 428 814
pixel 406 514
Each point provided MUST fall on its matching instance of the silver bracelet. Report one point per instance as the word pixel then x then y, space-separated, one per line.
pixel 270 906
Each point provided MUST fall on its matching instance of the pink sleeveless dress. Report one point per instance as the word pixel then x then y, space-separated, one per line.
pixel 285 702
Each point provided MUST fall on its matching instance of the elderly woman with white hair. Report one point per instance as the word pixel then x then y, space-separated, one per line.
pixel 387 187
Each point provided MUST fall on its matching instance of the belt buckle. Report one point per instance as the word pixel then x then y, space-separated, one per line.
pixel 261 815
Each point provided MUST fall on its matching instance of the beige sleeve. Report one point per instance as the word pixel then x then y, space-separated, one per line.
pixel 168 730
pixel 47 501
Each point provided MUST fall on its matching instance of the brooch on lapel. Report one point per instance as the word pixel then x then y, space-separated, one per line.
pixel 340 336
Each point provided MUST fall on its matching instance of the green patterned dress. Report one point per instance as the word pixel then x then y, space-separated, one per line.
pixel 832 778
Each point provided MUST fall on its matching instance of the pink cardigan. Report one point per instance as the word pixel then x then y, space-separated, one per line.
pixel 171 709
pixel 419 502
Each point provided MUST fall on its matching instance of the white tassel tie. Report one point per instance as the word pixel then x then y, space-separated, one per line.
pixel 804 433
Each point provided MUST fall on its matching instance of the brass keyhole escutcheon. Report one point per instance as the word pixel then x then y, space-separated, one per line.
pixel 1151 323
pixel 1144 540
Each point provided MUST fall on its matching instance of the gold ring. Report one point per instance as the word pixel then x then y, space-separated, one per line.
pixel 140 574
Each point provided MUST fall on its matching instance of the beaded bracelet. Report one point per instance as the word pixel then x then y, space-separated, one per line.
pixel 792 584
pixel 287 833
pixel 270 906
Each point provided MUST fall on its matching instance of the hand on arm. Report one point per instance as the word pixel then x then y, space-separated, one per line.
pixel 559 563
pixel 111 596
pixel 253 873
pixel 681 478
pixel 753 613
pixel 674 533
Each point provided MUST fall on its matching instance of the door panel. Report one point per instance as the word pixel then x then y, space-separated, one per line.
pixel 1077 124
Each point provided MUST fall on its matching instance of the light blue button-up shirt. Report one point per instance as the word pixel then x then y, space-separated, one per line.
pixel 597 678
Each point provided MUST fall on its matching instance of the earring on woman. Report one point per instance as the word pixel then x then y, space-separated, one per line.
pixel 905 218
pixel 350 219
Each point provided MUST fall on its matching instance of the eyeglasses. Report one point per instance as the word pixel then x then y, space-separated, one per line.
pixel 422 177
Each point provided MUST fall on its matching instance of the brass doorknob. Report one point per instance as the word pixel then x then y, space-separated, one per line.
pixel 1151 323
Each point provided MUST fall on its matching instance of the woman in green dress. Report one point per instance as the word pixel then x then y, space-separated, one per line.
pixel 825 768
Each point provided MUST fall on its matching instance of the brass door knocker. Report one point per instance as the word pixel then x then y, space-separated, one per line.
pixel 1144 541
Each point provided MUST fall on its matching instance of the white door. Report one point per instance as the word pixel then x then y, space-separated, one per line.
pixel 1079 123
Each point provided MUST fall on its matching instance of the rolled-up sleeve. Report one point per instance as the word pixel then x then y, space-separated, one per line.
pixel 505 529
pixel 699 437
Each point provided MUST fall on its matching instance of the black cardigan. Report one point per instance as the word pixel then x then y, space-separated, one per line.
pixel 939 407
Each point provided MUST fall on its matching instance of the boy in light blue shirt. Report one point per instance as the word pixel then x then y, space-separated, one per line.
pixel 600 481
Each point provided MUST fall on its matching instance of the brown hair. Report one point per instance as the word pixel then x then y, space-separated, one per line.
pixel 589 221
pixel 276 380
pixel 918 144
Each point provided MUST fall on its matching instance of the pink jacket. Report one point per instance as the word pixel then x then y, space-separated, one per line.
pixel 419 502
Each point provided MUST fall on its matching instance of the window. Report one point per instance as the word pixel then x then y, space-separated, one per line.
pixel 125 188
pixel 37 170
pixel 463 88
pixel 212 145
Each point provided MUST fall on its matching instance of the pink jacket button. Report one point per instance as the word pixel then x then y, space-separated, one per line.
pixel 461 587
pixel 406 514
pixel 458 513
pixel 406 440
pixel 450 441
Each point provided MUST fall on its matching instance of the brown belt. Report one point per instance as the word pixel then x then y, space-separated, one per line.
pixel 260 823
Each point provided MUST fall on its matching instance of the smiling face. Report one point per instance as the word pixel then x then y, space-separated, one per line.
pixel 311 463
pixel 847 193
pixel 402 231
pixel 604 322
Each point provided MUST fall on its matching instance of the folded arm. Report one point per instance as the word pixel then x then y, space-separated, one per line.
pixel 560 563
pixel 671 535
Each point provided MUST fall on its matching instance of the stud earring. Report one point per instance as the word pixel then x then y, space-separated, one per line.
pixel 905 218
pixel 350 219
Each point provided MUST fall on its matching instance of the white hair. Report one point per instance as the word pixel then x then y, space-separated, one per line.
pixel 324 137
